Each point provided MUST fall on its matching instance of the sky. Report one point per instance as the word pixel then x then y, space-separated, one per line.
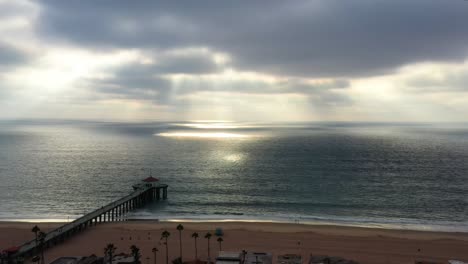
pixel 329 60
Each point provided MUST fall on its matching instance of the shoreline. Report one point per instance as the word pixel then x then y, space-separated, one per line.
pixel 265 226
pixel 423 227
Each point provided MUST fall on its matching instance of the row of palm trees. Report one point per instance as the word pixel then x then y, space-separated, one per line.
pixel 110 249
pixel 165 235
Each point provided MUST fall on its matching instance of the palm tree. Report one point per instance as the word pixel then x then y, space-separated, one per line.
pixel 180 228
pixel 195 236
pixel 109 251
pixel 136 254
pixel 155 252
pixel 165 234
pixel 208 237
pixel 220 240
pixel 35 230
pixel 41 237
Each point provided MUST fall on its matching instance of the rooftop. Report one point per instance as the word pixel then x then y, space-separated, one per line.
pixel 289 259
pixel 151 179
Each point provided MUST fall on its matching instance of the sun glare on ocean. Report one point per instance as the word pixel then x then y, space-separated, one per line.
pixel 208 130
pixel 213 135
pixel 210 125
pixel 235 157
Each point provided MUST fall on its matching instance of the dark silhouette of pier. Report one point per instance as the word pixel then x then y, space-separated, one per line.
pixel 143 194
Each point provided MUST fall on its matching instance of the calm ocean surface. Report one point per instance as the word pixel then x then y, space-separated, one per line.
pixel 390 175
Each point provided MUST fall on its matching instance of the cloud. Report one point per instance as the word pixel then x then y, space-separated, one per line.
pixel 10 57
pixel 146 79
pixel 13 8
pixel 300 38
pixel 241 85
pixel 186 61
pixel 134 87
pixel 329 60
pixel 153 82
pixel 438 79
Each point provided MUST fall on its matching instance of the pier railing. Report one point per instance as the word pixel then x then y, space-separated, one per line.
pixel 114 211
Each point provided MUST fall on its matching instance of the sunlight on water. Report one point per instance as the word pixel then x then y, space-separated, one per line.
pixel 210 125
pixel 234 157
pixel 203 135
pixel 413 177
pixel 211 121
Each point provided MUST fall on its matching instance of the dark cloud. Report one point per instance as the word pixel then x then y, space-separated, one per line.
pixel 191 63
pixel 135 82
pixel 148 82
pixel 10 57
pixel 300 38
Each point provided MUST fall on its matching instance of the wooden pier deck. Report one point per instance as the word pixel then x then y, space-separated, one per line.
pixel 114 211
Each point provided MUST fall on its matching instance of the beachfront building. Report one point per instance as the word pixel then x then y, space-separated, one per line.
pixel 197 262
pixel 258 258
pixel 123 258
pixel 229 257
pixel 289 259
pixel 319 259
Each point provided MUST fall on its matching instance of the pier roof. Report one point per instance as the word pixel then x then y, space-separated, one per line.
pixel 151 179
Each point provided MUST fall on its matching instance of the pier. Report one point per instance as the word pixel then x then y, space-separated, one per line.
pixel 143 193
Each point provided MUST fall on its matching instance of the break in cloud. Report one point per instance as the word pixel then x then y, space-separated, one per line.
pixel 276 60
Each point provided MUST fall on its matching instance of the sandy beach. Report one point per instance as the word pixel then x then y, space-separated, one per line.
pixel 366 245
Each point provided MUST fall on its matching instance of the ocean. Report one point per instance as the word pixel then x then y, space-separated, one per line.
pixel 390 175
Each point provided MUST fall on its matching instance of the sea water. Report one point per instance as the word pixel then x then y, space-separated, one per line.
pixel 392 175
